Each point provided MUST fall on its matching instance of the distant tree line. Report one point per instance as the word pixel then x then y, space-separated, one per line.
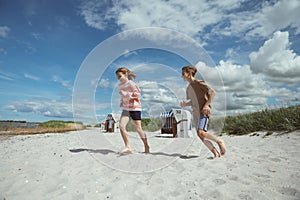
pixel 14 121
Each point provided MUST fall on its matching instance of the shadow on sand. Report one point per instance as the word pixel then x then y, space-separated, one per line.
pixel 107 151
pixel 174 155
pixel 102 151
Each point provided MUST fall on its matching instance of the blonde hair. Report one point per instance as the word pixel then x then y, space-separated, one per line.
pixel 127 72
pixel 189 69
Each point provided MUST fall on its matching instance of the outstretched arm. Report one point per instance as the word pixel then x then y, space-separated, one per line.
pixel 187 102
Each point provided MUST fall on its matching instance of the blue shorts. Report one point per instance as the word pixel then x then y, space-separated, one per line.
pixel 135 115
pixel 201 123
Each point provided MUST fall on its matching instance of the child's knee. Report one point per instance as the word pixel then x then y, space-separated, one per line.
pixel 138 129
pixel 201 134
pixel 122 128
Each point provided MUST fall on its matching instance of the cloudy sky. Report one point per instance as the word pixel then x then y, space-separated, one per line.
pixel 58 58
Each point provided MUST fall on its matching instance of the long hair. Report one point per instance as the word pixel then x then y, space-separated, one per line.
pixel 127 72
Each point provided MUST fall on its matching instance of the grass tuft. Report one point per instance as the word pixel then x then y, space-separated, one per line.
pixel 53 126
pixel 282 119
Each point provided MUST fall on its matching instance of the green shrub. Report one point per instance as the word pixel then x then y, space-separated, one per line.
pixel 57 124
pixel 148 124
pixel 53 124
pixel 282 119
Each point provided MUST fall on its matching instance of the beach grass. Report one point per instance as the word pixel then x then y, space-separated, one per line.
pixel 52 126
pixel 148 124
pixel 284 119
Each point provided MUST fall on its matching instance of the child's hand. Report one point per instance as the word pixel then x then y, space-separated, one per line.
pixel 182 104
pixel 206 110
pixel 122 92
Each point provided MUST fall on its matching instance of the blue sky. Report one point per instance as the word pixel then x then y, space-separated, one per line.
pixel 254 48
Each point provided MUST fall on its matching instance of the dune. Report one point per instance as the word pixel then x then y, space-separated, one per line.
pixel 86 165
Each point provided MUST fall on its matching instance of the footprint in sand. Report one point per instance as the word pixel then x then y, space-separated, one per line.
pixel 265 156
pixel 233 178
pixel 289 191
pixel 261 175
pixel 275 159
pixel 245 196
pixel 237 179
pixel 219 181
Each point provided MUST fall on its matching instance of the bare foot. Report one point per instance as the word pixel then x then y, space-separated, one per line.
pixel 216 153
pixel 125 151
pixel 222 147
pixel 147 149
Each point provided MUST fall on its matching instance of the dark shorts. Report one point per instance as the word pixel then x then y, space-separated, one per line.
pixel 135 115
pixel 201 123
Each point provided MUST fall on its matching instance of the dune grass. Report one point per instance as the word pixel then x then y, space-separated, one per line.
pixel 285 119
pixel 148 124
pixel 53 126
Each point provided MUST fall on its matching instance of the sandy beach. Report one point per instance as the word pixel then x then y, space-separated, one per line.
pixel 86 165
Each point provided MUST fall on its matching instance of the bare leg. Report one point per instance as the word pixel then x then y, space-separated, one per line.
pixel 143 136
pixel 123 122
pixel 220 142
pixel 203 136
pixel 221 146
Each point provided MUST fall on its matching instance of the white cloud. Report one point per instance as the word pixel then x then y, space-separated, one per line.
pixel 94 13
pixel 236 86
pixel 64 83
pixel 195 17
pixel 277 61
pixel 52 108
pixel 242 90
pixel 43 107
pixel 177 15
pixel 284 96
pixel 157 97
pixel 7 76
pixel 279 16
pixel 104 83
pixel 154 92
pixel 4 30
pixel 262 20
pixel 190 17
pixel 128 53
pixel 29 76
